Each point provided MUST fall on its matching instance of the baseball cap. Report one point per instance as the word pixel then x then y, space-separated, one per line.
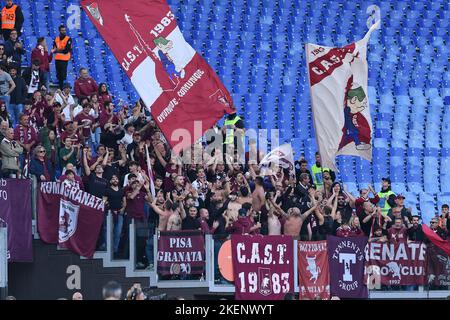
pixel 67 85
pixel 388 180
pixel 434 220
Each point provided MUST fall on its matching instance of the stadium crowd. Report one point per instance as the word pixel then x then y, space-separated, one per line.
pixel 82 139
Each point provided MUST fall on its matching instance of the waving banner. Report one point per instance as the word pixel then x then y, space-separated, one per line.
pixel 181 253
pixel 69 217
pixel 15 214
pixel 397 264
pixel 346 259
pixel 282 156
pixel 340 102
pixel 183 93
pixel 313 270
pixel 263 267
pixel 438 266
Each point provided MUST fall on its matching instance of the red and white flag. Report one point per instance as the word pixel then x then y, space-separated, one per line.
pixel 282 156
pixel 313 270
pixel 69 217
pixel 182 92
pixel 340 102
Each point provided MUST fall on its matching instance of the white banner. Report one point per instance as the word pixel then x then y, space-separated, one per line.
pixel 281 156
pixel 340 104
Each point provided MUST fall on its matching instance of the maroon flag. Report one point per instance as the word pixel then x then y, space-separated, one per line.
pixel 438 266
pixel 313 270
pixel 182 92
pixel 346 260
pixel 438 241
pixel 263 267
pixel 396 264
pixel 15 214
pixel 69 217
pixel 181 252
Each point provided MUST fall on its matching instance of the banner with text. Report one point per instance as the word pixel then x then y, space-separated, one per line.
pixel 181 252
pixel 338 80
pixel 396 264
pixel 313 270
pixel 15 214
pixel 69 217
pixel 173 80
pixel 346 259
pixel 263 266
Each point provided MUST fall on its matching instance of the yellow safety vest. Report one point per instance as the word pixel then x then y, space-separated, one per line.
pixel 229 138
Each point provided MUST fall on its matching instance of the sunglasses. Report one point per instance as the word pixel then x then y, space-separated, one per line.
pixel 41 151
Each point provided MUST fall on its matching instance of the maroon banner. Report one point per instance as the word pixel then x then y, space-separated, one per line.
pixel 69 217
pixel 436 239
pixel 346 260
pixel 438 266
pixel 263 267
pixel 15 214
pixel 313 270
pixel 396 264
pixel 181 253
pixel 173 80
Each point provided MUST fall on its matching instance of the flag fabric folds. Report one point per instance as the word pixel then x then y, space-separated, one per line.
pixel 340 101
pixel 182 92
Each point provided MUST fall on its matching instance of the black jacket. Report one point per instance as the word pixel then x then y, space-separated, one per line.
pixel 12 51
pixel 26 75
pixel 109 139
pixel 19 93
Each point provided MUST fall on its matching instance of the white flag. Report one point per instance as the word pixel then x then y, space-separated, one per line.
pixel 68 220
pixel 340 104
pixel 281 156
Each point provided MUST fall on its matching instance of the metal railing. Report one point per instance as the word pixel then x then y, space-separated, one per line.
pixel 3 262
pixel 211 277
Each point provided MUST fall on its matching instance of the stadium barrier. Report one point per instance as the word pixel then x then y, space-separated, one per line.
pixel 3 261
pixel 211 278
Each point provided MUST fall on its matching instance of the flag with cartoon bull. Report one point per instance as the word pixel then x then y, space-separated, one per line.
pixel 340 102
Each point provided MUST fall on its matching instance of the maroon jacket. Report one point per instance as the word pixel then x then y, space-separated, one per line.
pixel 43 57
pixel 242 226
pixel 85 87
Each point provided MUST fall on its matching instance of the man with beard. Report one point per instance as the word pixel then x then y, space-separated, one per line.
pixel 371 217
pixel 205 222
pixel 400 205
pixel 135 208
pixel 398 232
pixel 190 221
pixel 163 209
pixel 302 167
pixel 415 232
pixel 97 185
pixel 434 225
pixel 245 223
pixel 115 201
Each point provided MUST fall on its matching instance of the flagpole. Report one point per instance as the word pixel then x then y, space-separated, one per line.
pixel 150 172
